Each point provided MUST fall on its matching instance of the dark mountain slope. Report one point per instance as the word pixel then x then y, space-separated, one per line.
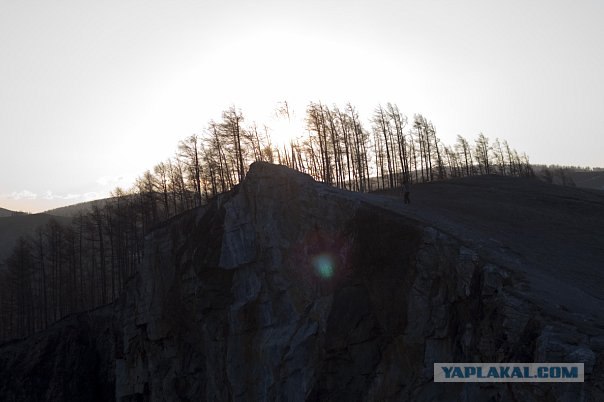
pixel 5 212
pixel 552 232
pixel 13 227
pixel 287 289
pixel 593 179
pixel 70 211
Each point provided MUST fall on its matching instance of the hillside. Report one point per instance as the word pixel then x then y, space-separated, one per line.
pixel 5 213
pixel 288 289
pixel 593 179
pixel 552 229
pixel 70 211
pixel 561 175
pixel 13 227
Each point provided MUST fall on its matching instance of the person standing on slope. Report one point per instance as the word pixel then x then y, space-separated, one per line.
pixel 407 191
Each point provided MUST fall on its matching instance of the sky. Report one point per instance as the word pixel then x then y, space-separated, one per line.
pixel 94 93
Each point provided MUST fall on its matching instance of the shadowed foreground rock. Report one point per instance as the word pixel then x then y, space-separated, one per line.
pixel 73 360
pixel 286 289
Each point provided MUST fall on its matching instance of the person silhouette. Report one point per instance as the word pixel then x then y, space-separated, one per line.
pixel 407 191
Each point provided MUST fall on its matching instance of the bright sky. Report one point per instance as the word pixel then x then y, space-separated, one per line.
pixel 92 93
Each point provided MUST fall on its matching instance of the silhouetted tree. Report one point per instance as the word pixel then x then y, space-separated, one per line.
pixel 465 153
pixel 62 269
pixel 231 125
pixel 190 150
pixel 481 152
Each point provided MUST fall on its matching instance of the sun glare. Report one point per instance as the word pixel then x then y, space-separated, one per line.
pixel 283 131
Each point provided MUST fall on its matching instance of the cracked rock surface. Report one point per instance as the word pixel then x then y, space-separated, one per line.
pixel 287 289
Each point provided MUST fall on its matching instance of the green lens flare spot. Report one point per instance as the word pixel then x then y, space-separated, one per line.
pixel 324 265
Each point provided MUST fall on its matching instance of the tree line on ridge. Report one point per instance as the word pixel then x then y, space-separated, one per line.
pixel 62 269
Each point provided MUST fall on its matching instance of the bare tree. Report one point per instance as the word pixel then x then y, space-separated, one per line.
pixel 190 152
pixel 231 124
pixel 481 152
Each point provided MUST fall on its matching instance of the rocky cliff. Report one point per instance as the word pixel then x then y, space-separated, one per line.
pixel 73 360
pixel 287 289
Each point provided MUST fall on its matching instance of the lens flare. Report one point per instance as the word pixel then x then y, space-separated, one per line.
pixel 324 265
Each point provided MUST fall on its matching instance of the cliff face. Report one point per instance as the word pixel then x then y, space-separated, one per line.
pixel 286 289
pixel 73 360
pixel 291 290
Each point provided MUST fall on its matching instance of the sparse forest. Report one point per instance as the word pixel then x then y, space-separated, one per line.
pixel 63 269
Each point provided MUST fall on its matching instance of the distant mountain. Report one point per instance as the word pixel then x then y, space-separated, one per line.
pixel 571 176
pixel 594 179
pixel 73 210
pixel 15 224
pixel 5 213
pixel 13 227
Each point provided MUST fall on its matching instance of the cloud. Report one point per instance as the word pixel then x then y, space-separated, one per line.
pixel 109 180
pixel 49 195
pixel 22 195
pixel 93 195
pixel 89 196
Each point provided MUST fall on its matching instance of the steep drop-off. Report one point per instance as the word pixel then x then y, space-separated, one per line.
pixel 287 289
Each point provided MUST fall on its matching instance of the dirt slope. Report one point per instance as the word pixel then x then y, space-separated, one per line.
pixel 550 234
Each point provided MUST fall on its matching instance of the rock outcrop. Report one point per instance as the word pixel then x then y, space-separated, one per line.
pixel 287 289
pixel 71 361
